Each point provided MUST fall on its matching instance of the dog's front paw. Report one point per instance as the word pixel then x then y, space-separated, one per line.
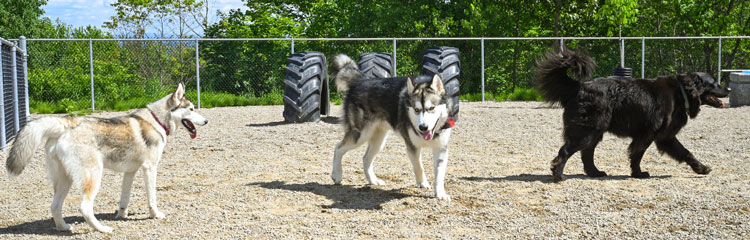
pixel 64 227
pixel 336 178
pixel 121 213
pixel 425 185
pixel 443 197
pixel 104 229
pixel 702 169
pixel 157 215
pixel 557 178
pixel 377 182
pixel 596 174
pixel 640 175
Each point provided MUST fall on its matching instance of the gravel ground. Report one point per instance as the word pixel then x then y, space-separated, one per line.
pixel 250 175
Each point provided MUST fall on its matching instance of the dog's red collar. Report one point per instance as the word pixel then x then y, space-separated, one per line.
pixel 449 123
pixel 162 125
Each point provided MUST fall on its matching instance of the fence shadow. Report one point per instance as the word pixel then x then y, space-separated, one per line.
pixel 547 178
pixel 344 196
pixel 47 226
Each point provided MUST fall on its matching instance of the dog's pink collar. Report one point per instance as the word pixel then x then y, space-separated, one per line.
pixel 162 125
pixel 449 123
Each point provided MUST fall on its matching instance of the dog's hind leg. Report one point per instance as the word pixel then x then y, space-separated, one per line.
pixel 346 144
pixel 375 145
pixel 127 185
pixel 92 177
pixel 61 183
pixel 415 157
pixel 674 148
pixel 637 148
pixel 587 156
pixel 575 140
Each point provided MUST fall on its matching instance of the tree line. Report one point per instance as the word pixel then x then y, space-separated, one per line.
pixel 254 69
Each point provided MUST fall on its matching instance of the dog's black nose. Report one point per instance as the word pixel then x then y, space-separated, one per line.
pixel 206 122
pixel 423 127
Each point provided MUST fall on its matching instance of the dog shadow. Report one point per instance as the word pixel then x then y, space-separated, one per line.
pixel 47 226
pixel 548 178
pixel 344 196
pixel 326 119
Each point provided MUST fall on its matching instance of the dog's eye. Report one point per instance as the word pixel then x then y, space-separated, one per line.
pixel 417 110
pixel 431 109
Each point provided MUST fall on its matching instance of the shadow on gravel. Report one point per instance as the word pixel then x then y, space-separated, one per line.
pixel 344 196
pixel 548 178
pixel 47 226
pixel 326 119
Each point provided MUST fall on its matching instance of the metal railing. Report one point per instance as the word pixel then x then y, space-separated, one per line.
pixel 13 89
pixel 254 66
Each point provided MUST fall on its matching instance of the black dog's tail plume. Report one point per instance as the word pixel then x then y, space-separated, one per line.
pixel 345 72
pixel 552 78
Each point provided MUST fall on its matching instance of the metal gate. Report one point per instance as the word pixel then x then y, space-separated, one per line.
pixel 13 90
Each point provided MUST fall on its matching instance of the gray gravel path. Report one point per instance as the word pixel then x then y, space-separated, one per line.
pixel 249 175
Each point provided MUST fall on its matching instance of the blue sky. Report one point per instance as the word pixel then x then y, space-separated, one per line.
pixel 81 13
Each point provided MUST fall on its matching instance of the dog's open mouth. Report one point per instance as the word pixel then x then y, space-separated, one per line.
pixel 427 135
pixel 715 101
pixel 190 127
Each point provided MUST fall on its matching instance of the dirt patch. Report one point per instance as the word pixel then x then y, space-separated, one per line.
pixel 249 175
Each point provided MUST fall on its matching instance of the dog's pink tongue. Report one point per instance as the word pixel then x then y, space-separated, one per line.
pixel 427 135
pixel 194 134
pixel 722 104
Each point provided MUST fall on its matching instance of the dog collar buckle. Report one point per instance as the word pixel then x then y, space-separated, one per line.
pixel 159 122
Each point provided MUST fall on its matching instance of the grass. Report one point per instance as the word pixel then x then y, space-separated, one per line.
pixel 218 99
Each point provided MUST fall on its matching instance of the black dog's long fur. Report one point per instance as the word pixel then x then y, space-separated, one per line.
pixel 645 110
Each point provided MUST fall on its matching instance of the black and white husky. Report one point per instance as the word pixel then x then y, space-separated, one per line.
pixel 416 108
pixel 79 148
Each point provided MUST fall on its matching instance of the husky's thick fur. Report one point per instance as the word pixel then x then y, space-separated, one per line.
pixel 416 108
pixel 78 148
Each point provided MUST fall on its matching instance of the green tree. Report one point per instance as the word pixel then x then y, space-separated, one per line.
pixel 20 17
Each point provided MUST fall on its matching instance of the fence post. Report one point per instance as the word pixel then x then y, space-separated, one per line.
pixel 22 45
pixel 91 71
pixel 394 58
pixel 15 89
pixel 292 45
pixel 2 104
pixel 562 44
pixel 719 73
pixel 622 53
pixel 643 57
pixel 482 69
pixel 198 73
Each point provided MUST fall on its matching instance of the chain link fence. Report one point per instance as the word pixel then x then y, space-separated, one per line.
pixel 120 74
pixel 13 90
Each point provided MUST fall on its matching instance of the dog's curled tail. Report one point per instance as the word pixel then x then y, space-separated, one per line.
pixel 552 78
pixel 33 135
pixel 345 72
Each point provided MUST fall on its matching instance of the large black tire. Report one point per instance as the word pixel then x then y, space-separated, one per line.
pixel 445 62
pixel 376 65
pixel 305 87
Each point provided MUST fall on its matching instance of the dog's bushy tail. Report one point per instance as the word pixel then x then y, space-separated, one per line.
pixel 33 135
pixel 552 78
pixel 345 72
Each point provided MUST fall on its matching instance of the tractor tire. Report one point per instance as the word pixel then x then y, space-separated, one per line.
pixel 376 65
pixel 445 62
pixel 305 87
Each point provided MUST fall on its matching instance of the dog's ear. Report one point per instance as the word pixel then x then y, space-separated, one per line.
pixel 410 84
pixel 692 83
pixel 437 84
pixel 179 93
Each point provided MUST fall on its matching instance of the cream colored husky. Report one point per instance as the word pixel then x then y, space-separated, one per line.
pixel 78 148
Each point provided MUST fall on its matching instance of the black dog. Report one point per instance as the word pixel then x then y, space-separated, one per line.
pixel 645 110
